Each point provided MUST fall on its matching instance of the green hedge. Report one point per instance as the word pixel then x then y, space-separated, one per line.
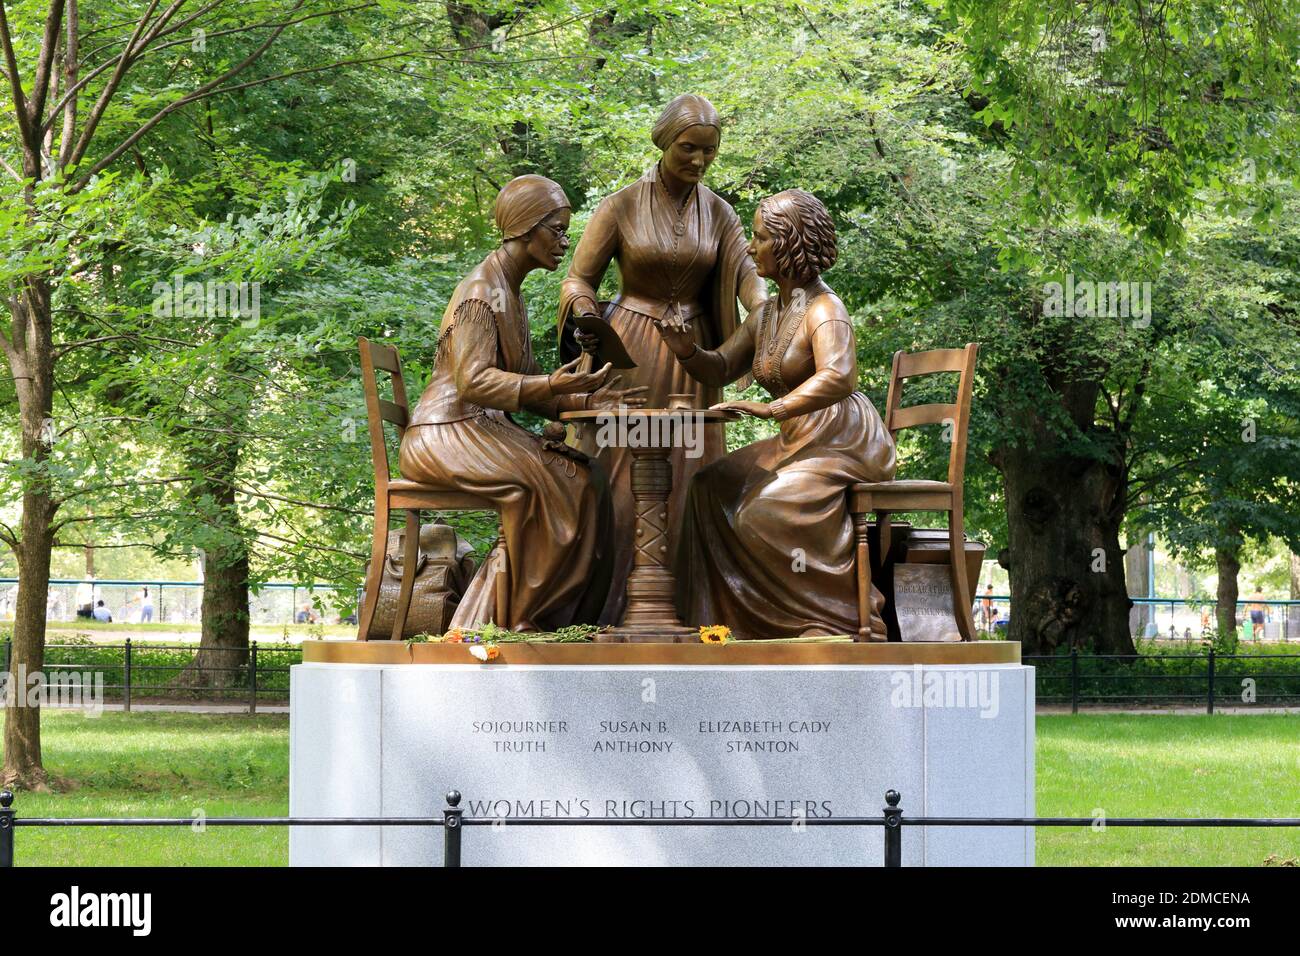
pixel 1176 674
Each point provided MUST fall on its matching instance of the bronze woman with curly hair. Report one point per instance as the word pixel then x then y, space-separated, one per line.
pixel 766 545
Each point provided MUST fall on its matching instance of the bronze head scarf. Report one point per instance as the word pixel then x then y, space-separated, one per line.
pixel 524 202
pixel 682 113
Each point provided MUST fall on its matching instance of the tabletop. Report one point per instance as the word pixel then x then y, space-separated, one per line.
pixel 696 414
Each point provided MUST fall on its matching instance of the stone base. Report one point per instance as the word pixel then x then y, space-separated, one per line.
pixel 645 740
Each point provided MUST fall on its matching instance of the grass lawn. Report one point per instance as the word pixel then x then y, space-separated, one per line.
pixel 160 765
pixel 154 764
pixel 1177 766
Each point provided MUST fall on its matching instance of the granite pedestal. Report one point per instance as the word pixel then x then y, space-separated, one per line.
pixel 655 740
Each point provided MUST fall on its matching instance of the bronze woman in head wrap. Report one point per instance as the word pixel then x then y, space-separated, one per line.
pixel 554 510
pixel 680 251
pixel 767 541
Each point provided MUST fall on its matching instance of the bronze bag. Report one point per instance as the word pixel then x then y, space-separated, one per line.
pixel 442 572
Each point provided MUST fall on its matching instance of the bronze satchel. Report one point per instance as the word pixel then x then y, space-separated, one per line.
pixel 442 572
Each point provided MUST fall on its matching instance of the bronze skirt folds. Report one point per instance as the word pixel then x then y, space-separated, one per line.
pixel 554 516
pixel 766 545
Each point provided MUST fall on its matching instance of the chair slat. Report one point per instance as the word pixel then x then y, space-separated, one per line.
pixel 441 501
pixel 928 363
pixel 913 415
pixel 393 413
pixel 385 357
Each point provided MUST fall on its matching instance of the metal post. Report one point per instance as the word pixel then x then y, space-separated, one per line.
pixel 893 829
pixel 126 679
pixel 252 679
pixel 451 830
pixel 1209 696
pixel 1074 680
pixel 6 829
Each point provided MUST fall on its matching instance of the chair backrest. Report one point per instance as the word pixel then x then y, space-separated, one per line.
pixel 379 410
pixel 957 413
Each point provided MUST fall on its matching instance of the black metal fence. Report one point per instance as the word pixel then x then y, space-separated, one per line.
pixel 129 673
pixel 453 823
pixel 1202 680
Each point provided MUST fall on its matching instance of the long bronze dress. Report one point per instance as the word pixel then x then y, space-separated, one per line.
pixel 692 260
pixel 554 511
pixel 766 545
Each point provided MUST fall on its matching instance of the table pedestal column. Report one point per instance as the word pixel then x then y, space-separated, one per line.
pixel 651 614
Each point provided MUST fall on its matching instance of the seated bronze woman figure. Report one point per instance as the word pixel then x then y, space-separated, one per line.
pixel 554 509
pixel 767 541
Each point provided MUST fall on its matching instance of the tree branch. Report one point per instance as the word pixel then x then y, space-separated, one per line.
pixel 110 88
pixel 71 69
pixel 306 504
pixel 45 65
pixel 314 547
pixel 122 484
pixel 129 516
pixel 202 91
pixel 15 84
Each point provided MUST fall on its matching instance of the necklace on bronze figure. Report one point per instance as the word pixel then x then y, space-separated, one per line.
pixel 679 230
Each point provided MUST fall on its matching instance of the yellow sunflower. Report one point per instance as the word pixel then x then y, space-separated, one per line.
pixel 715 634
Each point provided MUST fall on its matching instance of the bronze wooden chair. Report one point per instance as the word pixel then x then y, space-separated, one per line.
pixel 884 497
pixel 398 494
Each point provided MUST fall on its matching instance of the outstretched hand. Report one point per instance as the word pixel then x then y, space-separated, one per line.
pixel 567 380
pixel 756 409
pixel 677 333
pixel 608 396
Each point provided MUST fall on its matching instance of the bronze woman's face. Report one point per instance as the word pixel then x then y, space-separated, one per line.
pixel 689 156
pixel 761 249
pixel 549 240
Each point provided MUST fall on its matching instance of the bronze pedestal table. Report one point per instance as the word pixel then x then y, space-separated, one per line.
pixel 650 434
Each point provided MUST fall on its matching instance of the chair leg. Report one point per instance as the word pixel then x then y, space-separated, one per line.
pixel 375 573
pixel 961 598
pixel 501 587
pixel 883 529
pixel 862 563
pixel 410 557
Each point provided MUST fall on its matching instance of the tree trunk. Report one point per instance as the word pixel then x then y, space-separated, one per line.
pixel 1225 612
pixel 1295 577
pixel 1137 572
pixel 31 362
pixel 223 644
pixel 1065 562
pixel 22 739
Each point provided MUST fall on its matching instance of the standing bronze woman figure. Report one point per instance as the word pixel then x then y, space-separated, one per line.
pixel 681 252
pixel 554 509
pixel 766 545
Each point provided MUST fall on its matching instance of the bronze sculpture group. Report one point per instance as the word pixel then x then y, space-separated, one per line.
pixel 763 540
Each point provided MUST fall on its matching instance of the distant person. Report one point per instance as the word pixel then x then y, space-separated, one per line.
pixel 146 607
pixel 988 612
pixel 86 599
pixel 305 615
pixel 1258 610
pixel 102 613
